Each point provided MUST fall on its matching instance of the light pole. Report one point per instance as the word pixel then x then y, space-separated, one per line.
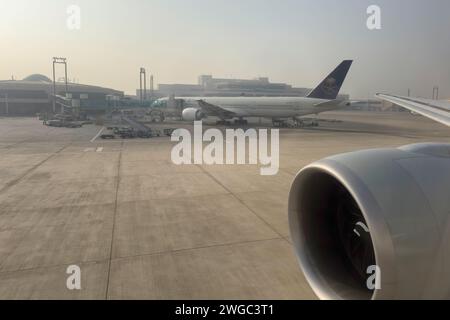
pixel 435 93
pixel 151 87
pixel 143 78
pixel 57 60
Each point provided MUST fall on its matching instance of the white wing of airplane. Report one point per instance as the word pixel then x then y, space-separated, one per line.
pixel 434 109
pixel 215 110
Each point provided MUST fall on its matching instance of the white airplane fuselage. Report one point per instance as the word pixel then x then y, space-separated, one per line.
pixel 269 107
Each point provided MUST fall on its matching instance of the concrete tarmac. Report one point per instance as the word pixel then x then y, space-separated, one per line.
pixel 140 227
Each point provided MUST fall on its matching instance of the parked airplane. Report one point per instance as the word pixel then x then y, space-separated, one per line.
pixel 323 98
pixel 375 224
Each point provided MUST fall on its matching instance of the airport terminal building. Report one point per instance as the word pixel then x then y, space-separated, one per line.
pixel 208 86
pixel 34 94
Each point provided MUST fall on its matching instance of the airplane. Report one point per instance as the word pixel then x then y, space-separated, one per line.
pixel 375 224
pixel 323 98
pixel 437 110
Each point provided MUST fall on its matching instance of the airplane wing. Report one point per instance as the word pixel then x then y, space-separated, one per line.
pixel 436 110
pixel 326 104
pixel 211 109
pixel 332 105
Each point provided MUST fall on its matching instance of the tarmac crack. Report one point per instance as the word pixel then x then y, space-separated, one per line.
pixel 119 164
pixel 221 245
pixel 12 183
pixel 15 182
pixel 99 261
pixel 243 203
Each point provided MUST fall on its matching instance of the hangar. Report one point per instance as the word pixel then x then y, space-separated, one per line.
pixel 34 94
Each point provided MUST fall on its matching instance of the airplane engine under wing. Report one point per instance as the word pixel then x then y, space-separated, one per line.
pixel 192 114
pixel 388 208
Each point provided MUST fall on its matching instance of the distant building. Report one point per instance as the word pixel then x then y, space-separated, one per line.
pixel 34 94
pixel 209 86
pixel 165 90
pixel 259 85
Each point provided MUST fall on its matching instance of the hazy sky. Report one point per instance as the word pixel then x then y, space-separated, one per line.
pixel 297 42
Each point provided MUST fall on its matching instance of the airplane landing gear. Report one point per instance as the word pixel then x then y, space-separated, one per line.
pixel 222 122
pixel 279 123
pixel 241 121
pixel 299 123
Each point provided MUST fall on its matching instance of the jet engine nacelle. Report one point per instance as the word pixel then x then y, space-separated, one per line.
pixel 192 114
pixel 388 209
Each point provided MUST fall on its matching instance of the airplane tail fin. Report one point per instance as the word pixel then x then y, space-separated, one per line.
pixel 329 88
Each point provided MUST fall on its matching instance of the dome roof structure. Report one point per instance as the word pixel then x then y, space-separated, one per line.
pixel 37 78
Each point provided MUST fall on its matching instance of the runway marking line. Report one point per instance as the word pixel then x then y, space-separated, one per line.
pixel 98 134
pixel 99 149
